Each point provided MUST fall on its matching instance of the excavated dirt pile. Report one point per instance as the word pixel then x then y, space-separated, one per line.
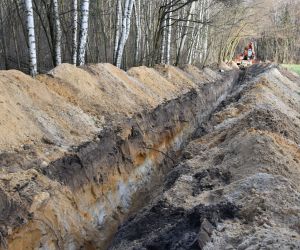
pixel 237 185
pixel 82 149
pixel 214 155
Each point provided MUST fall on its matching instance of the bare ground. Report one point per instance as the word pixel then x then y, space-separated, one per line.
pixel 237 186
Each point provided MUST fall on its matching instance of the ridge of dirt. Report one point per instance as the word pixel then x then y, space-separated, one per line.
pixel 237 186
pixel 42 119
pixel 99 140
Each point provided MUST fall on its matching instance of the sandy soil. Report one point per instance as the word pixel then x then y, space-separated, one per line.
pixel 237 186
pixel 79 145
pixel 45 117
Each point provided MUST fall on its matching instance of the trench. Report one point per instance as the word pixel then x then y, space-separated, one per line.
pixel 104 181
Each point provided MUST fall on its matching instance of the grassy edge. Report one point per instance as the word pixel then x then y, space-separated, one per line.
pixel 293 67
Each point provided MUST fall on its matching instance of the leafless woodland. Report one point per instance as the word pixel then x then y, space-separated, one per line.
pixel 37 35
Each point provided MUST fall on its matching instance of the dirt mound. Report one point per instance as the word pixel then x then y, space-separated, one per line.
pixel 177 76
pixel 30 110
pixel 197 74
pixel 237 186
pixel 51 110
pixel 58 195
pixel 233 65
pixel 224 66
pixel 93 87
pixel 160 86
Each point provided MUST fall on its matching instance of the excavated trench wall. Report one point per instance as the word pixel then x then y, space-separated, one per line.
pixel 79 200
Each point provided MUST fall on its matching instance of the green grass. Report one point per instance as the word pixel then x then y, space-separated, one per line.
pixel 293 67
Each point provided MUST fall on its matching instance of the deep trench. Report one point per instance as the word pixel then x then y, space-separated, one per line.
pixel 113 176
pixel 151 147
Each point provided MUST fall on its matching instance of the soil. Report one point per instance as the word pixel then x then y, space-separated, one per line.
pixel 80 145
pixel 237 185
pixel 213 161
pixel 44 117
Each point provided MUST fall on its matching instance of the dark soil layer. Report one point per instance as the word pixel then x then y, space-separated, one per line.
pixel 237 185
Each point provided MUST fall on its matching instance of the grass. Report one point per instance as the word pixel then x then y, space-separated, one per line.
pixel 293 67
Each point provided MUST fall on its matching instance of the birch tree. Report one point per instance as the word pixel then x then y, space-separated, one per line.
pixel 185 30
pixel 163 31
pixel 74 31
pixel 58 33
pixel 126 22
pixel 118 28
pixel 137 13
pixel 205 30
pixel 168 35
pixel 163 42
pixel 31 37
pixel 83 36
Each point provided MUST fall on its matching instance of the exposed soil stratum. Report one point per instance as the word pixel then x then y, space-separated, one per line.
pixel 237 186
pixel 153 158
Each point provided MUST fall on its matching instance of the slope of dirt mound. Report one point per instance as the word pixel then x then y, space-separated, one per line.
pixel 161 87
pixel 101 143
pixel 94 88
pixel 198 75
pixel 51 110
pixel 177 76
pixel 224 66
pixel 30 110
pixel 237 186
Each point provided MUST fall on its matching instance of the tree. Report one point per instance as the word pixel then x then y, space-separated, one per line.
pixel 118 28
pixel 137 14
pixel 184 31
pixel 141 32
pixel 4 45
pixel 74 30
pixel 58 34
pixel 126 22
pixel 168 35
pixel 84 24
pixel 31 37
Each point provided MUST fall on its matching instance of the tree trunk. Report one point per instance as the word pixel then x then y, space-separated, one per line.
pixel 163 41
pixel 74 32
pixel 185 30
pixel 125 31
pixel 84 24
pixel 168 36
pixel 206 29
pixel 118 28
pixel 3 36
pixel 137 10
pixel 31 38
pixel 57 33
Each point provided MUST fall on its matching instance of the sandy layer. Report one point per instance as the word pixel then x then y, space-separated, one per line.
pixel 237 186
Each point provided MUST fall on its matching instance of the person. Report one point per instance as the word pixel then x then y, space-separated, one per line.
pixel 245 53
pixel 251 52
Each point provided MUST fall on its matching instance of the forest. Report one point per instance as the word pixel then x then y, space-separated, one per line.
pixel 37 35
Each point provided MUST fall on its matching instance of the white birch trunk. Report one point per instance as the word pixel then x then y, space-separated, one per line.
pixel 118 27
pixel 195 34
pixel 149 34
pixel 31 37
pixel 163 41
pixel 200 40
pixel 206 30
pixel 84 24
pixel 137 11
pixel 178 33
pixel 58 33
pixel 184 35
pixel 75 31
pixel 169 37
pixel 125 31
